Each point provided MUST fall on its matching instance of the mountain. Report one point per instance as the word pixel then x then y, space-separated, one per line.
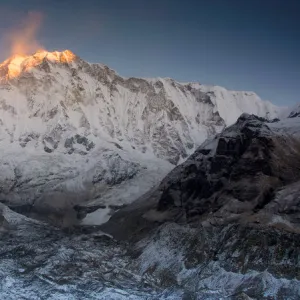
pixel 224 224
pixel 79 131
pixel 215 175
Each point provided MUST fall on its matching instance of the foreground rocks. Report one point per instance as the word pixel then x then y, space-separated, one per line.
pixel 223 262
pixel 172 261
pixel 38 261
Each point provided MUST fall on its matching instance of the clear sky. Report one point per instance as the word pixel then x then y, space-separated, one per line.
pixel 239 44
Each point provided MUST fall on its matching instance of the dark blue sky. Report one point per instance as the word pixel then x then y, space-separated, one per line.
pixel 239 44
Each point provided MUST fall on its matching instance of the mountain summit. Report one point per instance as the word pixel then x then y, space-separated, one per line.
pixel 18 64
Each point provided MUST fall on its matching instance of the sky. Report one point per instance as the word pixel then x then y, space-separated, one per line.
pixel 251 45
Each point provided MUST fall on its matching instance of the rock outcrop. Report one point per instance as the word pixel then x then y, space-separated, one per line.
pixel 236 175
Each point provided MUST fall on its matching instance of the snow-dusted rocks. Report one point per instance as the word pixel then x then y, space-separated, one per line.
pixel 236 175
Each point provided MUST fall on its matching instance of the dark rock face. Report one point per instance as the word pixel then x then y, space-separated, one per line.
pixel 239 172
pixel 295 113
pixel 70 143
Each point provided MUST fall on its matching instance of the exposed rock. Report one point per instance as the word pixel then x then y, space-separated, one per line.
pixel 4 225
pixel 239 176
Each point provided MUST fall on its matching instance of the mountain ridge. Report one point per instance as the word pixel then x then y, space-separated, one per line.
pixel 58 107
pixel 36 69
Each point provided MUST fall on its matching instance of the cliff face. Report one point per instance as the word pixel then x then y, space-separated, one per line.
pixel 236 175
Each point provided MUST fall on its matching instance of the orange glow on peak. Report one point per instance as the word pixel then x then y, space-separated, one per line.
pixel 20 63
pixel 21 42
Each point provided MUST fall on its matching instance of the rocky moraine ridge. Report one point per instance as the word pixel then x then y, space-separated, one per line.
pixel 225 224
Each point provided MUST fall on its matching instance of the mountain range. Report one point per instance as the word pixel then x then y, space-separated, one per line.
pixel 68 126
pixel 130 188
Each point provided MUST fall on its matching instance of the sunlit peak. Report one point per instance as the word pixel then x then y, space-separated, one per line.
pixel 55 56
pixel 17 64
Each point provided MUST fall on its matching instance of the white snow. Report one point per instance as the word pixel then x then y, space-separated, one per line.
pixel 98 217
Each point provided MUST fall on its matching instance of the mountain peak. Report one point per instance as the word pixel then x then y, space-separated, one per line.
pixel 55 56
pixel 18 63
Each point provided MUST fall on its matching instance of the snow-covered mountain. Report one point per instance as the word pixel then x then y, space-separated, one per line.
pixel 68 125
pixel 47 96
